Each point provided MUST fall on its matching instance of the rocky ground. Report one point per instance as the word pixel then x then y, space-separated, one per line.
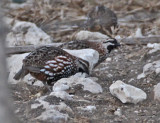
pixel 126 64
pixel 136 64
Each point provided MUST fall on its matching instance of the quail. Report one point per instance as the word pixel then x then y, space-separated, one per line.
pixel 49 64
pixel 101 18
pixel 103 47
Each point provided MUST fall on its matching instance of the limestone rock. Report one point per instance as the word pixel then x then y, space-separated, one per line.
pixel 150 68
pixel 157 92
pixel 138 33
pixel 62 94
pixel 127 93
pixel 87 35
pixel 88 84
pixel 27 33
pixel 89 108
pixel 52 112
pixel 118 112
pixel 14 65
pixel 155 47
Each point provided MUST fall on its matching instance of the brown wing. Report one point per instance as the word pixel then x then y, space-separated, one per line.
pixel 59 67
pixel 40 56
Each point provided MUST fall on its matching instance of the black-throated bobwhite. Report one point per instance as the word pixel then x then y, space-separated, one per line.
pixel 103 47
pixel 49 64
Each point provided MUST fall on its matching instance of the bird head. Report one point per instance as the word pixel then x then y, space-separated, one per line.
pixel 111 44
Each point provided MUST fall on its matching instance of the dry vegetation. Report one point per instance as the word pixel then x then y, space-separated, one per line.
pixel 61 18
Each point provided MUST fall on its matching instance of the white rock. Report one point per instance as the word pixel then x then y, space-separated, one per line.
pixel 52 115
pixel 140 76
pixel 136 112
pixel 88 83
pixel 118 37
pixel 18 6
pixel 8 21
pixel 52 112
pixel 36 105
pixel 138 33
pixel 62 94
pixel 131 80
pixel 127 93
pixel 108 59
pixel 36 83
pixel 89 108
pixel 149 69
pixel 63 87
pixel 27 33
pixel 157 71
pixel 157 92
pixel 90 55
pixel 14 65
pixel 87 35
pixel 118 112
pixel 155 47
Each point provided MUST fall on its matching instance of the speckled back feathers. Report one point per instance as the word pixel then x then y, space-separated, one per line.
pixel 50 64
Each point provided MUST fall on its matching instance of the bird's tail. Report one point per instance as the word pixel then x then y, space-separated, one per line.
pixel 21 73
